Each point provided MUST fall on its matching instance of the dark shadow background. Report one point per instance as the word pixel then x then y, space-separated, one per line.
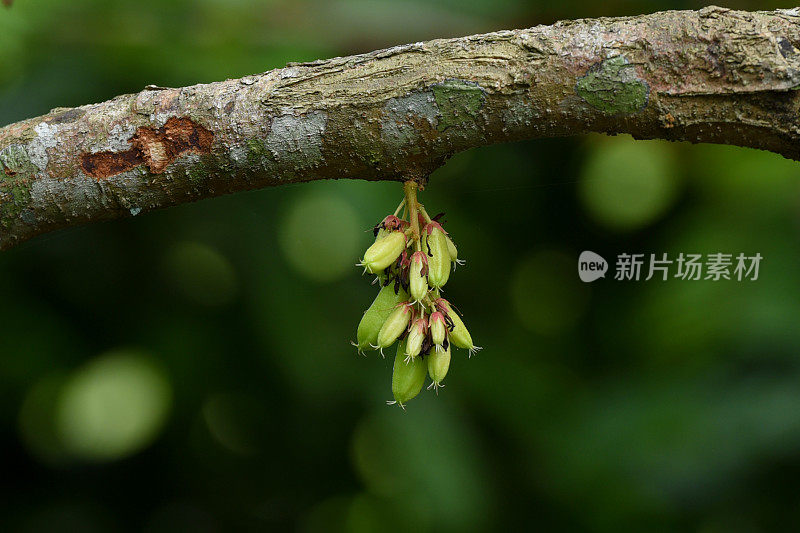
pixel 190 369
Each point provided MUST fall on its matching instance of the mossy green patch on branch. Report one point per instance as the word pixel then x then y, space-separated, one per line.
pixel 197 175
pixel 613 87
pixel 15 196
pixel 16 174
pixel 458 101
pixel 365 144
pixel 256 151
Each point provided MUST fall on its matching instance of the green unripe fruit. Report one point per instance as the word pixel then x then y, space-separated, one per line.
pixel 438 328
pixel 439 262
pixel 407 378
pixel 459 335
pixel 417 280
pixel 394 326
pixel 438 365
pixel 451 248
pixel 416 336
pixel 384 252
pixel 377 313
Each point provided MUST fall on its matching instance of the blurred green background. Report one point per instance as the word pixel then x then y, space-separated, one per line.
pixel 190 369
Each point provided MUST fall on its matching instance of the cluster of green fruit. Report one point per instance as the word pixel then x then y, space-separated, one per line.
pixel 411 259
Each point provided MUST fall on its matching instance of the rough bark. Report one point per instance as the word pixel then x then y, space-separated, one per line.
pixel 713 75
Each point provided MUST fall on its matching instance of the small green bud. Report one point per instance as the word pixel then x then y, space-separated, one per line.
pixel 459 335
pixel 407 378
pixel 418 270
pixel 394 326
pixel 439 262
pixel 374 317
pixel 438 329
pixel 384 252
pixel 416 336
pixel 451 248
pixel 438 365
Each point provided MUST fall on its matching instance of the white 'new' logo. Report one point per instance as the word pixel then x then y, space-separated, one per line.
pixel 591 266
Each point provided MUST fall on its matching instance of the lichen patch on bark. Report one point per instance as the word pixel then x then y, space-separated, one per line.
pixel 37 148
pixel 14 160
pixel 403 117
pixel 156 148
pixel 458 101
pixel 613 87
pixel 66 116
pixel 297 139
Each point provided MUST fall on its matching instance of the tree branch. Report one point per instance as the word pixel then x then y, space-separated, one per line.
pixel 713 75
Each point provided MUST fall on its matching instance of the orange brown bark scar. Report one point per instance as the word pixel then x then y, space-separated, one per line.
pixel 156 148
